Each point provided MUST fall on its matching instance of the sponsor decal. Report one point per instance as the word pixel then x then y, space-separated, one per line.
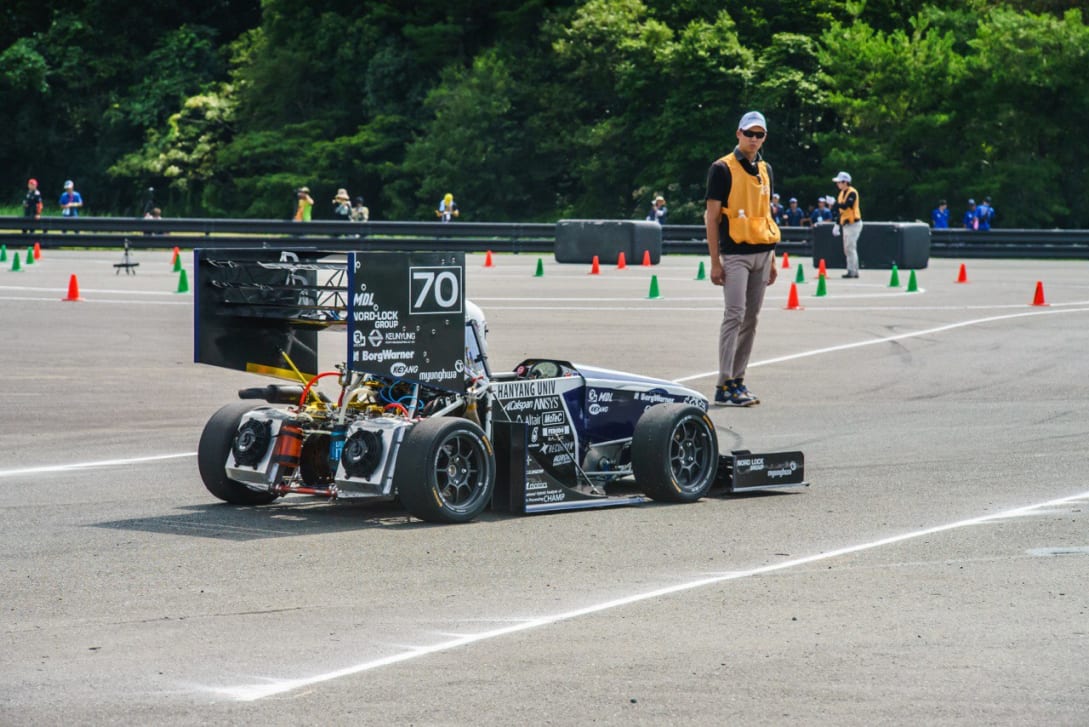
pixel 375 338
pixel 552 418
pixel 524 389
pixel 386 355
pixel 402 369
pixel 595 409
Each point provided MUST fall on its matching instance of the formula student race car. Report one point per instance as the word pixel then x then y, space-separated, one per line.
pixel 420 416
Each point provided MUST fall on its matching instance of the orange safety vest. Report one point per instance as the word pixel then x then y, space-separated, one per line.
pixel 847 215
pixel 749 207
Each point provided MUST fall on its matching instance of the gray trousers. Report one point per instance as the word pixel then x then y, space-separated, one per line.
pixel 743 292
pixel 850 244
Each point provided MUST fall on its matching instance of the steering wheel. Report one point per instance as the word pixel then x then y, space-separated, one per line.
pixel 544 370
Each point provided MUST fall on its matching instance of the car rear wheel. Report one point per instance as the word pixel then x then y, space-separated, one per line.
pixel 445 470
pixel 216 442
pixel 674 453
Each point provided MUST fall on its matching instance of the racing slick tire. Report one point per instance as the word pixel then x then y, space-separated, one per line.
pixel 215 444
pixel 674 453
pixel 445 470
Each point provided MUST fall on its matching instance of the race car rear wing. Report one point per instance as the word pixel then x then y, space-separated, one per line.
pixel 260 310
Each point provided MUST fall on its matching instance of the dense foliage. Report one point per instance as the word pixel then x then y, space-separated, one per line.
pixel 543 109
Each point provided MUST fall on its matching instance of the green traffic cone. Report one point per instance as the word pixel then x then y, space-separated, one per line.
pixel 15 266
pixel 913 285
pixel 540 269
pixel 800 277
pixel 821 289
pixel 178 264
pixel 30 256
pixel 183 282
pixel 653 294
pixel 3 253
pixel 701 274
pixel 894 280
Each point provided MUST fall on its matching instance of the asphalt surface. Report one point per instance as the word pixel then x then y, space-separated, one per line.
pixel 936 571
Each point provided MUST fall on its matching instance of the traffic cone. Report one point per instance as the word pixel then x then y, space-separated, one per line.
pixel 488 263
pixel 894 279
pixel 822 272
pixel 595 266
pixel 962 276
pixel 653 294
pixel 37 251
pixel 15 266
pixel 1037 299
pixel 620 262
pixel 174 257
pixel 701 274
pixel 73 290
pixel 540 269
pixel 800 277
pixel 646 258
pixel 3 253
pixel 183 282
pixel 792 299
pixel 913 285
pixel 177 263
pixel 786 260
pixel 29 256
pixel 822 290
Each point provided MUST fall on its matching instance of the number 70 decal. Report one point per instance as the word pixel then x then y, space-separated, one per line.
pixel 435 290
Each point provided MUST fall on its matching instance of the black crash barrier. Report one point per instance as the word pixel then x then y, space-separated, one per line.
pixel 580 241
pixel 535 237
pixel 880 246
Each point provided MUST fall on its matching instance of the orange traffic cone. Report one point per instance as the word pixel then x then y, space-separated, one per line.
pixel 174 257
pixel 621 263
pixel 595 266
pixel 786 260
pixel 821 271
pixel 73 290
pixel 37 251
pixel 488 260
pixel 792 299
pixel 646 258
pixel 962 276
pixel 1038 299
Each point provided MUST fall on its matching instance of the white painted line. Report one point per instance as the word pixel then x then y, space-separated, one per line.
pixel 897 337
pixel 271 686
pixel 89 465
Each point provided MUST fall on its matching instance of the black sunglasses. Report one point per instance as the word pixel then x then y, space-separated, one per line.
pixel 754 134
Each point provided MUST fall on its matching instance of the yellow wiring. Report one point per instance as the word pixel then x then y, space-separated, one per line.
pixel 302 378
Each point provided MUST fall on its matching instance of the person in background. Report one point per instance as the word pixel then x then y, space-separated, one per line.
pixel 776 209
pixel 793 214
pixel 32 203
pixel 971 219
pixel 304 204
pixel 821 213
pixel 658 210
pixel 741 238
pixel 447 209
pixel 848 216
pixel 342 205
pixel 360 213
pixel 70 201
pixel 985 213
pixel 939 218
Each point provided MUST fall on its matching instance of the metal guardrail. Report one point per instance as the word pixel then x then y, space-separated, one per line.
pixel 54 232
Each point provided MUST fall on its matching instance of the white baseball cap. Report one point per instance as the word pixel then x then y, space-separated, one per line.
pixel 842 177
pixel 751 119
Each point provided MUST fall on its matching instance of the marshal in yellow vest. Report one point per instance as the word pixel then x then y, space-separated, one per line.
pixel 749 205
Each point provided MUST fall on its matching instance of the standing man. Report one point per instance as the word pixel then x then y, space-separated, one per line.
pixel 848 215
pixel 70 201
pixel 741 238
pixel 32 203
pixel 985 213
pixel 939 218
